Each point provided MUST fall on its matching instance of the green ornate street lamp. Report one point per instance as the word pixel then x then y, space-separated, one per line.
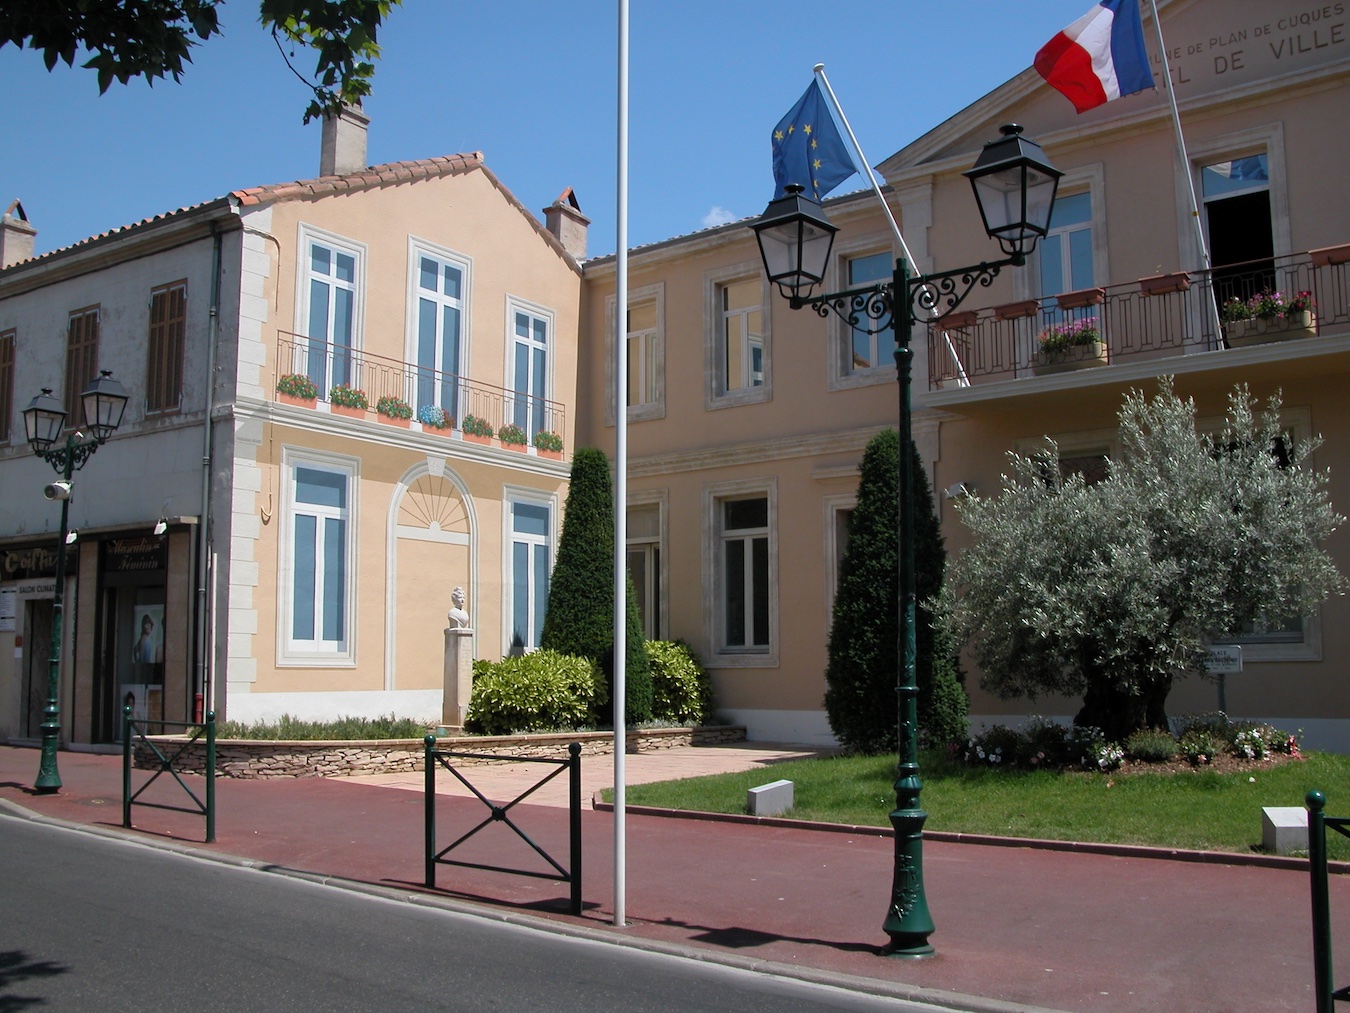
pixel 1015 186
pixel 44 418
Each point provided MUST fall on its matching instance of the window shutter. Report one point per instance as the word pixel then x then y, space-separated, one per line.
pixel 6 383
pixel 81 361
pixel 164 367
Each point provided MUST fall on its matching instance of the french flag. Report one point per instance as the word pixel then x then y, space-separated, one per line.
pixel 1099 57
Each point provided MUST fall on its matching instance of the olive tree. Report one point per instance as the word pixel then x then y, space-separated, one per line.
pixel 1113 590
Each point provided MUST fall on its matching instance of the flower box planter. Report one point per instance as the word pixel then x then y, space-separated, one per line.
pixel 389 420
pixel 1164 284
pixel 347 410
pixel 518 447
pixel 475 438
pixel 1074 357
pixel 1081 298
pixel 1016 310
pixel 301 402
pixel 552 455
pixel 1261 330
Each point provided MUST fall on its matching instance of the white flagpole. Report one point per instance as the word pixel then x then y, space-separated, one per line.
pixel 620 652
pixel 860 163
pixel 1185 163
pixel 865 167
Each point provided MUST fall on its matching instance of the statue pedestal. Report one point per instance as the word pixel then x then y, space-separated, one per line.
pixel 458 679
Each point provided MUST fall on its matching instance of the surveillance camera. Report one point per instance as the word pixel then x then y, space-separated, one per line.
pixel 57 490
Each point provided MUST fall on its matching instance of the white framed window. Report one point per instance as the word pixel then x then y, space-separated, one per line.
pixel 738 352
pixel 838 512
pixel 1240 179
pixel 528 380
pixel 741 568
pixel 329 306
pixel 528 564
pixel 317 560
pixel 438 297
pixel 869 353
pixel 645 390
pixel 1066 258
pixel 646 536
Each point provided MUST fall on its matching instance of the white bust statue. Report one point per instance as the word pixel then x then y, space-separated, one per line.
pixel 459 619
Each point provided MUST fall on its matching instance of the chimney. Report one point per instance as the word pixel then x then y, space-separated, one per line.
pixel 564 219
pixel 343 147
pixel 16 236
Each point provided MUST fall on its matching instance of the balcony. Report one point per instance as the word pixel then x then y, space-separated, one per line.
pixel 328 365
pixel 1152 322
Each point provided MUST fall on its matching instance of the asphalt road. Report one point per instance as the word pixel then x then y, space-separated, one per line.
pixel 89 922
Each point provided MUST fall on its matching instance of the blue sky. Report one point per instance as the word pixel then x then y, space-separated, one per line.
pixel 530 84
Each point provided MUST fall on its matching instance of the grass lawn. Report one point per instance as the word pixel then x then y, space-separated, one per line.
pixel 1199 809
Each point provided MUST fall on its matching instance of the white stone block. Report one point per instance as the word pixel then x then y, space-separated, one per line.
pixel 769 799
pixel 1284 829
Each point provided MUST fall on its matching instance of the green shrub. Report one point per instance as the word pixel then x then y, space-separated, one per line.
pixel 1151 745
pixel 541 691
pixel 290 729
pixel 995 747
pixel 1200 745
pixel 681 689
pixel 944 708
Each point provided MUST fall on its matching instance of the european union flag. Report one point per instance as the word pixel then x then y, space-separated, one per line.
pixel 807 148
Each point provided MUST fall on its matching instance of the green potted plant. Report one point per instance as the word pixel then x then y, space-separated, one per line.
pixel 433 416
pixel 513 437
pixel 548 443
pixel 1073 344
pixel 393 411
pixel 475 429
pixel 347 400
pixel 1268 316
pixel 298 389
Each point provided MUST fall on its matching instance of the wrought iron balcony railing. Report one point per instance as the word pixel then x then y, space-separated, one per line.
pixel 1154 318
pixel 329 365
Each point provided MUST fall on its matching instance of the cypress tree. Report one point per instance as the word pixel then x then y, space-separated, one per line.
pixel 861 676
pixel 580 615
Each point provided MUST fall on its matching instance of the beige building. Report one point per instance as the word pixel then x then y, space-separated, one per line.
pixel 747 420
pixel 308 551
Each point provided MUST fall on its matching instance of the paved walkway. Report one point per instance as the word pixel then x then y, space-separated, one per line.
pixel 1017 927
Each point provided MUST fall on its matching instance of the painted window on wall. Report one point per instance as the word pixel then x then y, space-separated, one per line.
pixel 744 551
pixel 330 314
pixel 81 361
pixel 529 370
pixel 319 596
pixel 164 348
pixel 531 524
pixel 741 334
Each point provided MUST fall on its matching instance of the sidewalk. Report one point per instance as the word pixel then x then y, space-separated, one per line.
pixel 1016 926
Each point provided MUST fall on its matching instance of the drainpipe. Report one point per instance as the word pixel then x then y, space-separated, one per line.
pixel 202 679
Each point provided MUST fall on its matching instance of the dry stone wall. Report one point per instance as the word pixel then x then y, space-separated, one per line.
pixel 259 758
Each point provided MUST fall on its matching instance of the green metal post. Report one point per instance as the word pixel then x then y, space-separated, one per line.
pixel 574 821
pixel 210 777
pixel 49 778
pixel 429 812
pixel 908 922
pixel 126 767
pixel 1321 903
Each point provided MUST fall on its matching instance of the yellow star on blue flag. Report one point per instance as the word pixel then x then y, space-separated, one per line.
pixel 807 148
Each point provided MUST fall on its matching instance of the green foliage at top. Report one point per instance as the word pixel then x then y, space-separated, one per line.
pixel 580 615
pixel 512 433
pixel 477 426
pixel 348 397
pixel 1111 590
pixel 393 407
pixel 548 440
pixel 681 689
pixel 860 698
pixel 537 692
pixel 291 729
pixel 152 38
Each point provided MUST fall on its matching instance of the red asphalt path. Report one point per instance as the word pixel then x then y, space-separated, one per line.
pixel 1016 926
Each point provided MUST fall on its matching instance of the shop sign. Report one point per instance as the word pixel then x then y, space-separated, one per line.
pixel 34 561
pixel 134 555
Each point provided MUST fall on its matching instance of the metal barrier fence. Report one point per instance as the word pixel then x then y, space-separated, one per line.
pixel 1318 825
pixel 137 728
pixel 501 814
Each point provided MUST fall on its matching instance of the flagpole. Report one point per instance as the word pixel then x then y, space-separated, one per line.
pixel 1185 161
pixel 865 167
pixel 861 163
pixel 620 649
